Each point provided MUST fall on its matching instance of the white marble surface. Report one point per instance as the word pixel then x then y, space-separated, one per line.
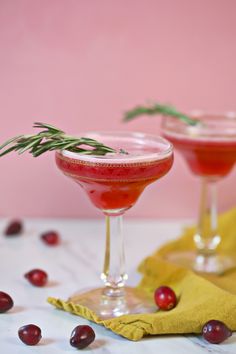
pixel 74 265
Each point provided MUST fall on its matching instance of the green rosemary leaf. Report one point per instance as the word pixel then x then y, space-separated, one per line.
pixel 42 148
pixel 29 146
pixel 156 109
pixel 7 151
pixel 83 151
pixel 69 145
pixel 47 126
pixel 16 138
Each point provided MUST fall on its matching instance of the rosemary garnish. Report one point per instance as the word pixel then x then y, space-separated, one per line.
pixel 52 138
pixel 155 109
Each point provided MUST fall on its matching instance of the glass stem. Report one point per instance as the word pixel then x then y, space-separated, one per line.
pixel 207 238
pixel 114 275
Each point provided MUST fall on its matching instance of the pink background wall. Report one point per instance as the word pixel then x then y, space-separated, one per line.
pixel 79 64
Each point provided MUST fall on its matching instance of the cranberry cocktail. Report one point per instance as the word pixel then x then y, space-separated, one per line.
pixel 209 148
pixel 206 156
pixel 114 182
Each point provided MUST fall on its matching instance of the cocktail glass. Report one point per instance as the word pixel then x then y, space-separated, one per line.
pixel 209 148
pixel 114 183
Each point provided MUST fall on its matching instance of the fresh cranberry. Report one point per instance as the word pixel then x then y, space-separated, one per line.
pixel 215 331
pixel 51 238
pixel 6 302
pixel 14 228
pixel 82 336
pixel 37 277
pixel 30 334
pixel 165 298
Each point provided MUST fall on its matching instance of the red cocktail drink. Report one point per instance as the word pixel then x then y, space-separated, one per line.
pixel 116 182
pixel 206 157
pixel 113 185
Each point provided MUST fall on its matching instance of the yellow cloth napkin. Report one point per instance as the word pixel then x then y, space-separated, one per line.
pixel 200 298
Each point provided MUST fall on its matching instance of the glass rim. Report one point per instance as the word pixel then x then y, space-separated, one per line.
pixel 108 158
pixel 211 127
pixel 195 113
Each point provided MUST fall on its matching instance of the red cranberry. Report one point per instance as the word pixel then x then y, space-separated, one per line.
pixel 30 334
pixel 82 336
pixel 215 331
pixel 14 228
pixel 165 298
pixel 37 277
pixel 51 238
pixel 6 302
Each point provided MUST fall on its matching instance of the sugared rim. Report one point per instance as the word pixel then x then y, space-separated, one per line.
pixel 167 148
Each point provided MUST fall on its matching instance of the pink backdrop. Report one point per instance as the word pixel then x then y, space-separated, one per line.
pixel 80 63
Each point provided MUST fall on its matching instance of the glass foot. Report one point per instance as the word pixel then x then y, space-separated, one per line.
pixel 106 306
pixel 216 264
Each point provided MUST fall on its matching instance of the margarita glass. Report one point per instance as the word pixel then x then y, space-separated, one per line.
pixel 209 148
pixel 113 183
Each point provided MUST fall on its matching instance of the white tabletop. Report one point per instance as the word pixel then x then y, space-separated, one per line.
pixel 74 265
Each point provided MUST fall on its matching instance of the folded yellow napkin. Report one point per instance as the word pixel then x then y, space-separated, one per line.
pixel 200 298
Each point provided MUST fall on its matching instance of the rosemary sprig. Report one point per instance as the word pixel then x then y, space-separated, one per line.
pixel 156 109
pixel 51 138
